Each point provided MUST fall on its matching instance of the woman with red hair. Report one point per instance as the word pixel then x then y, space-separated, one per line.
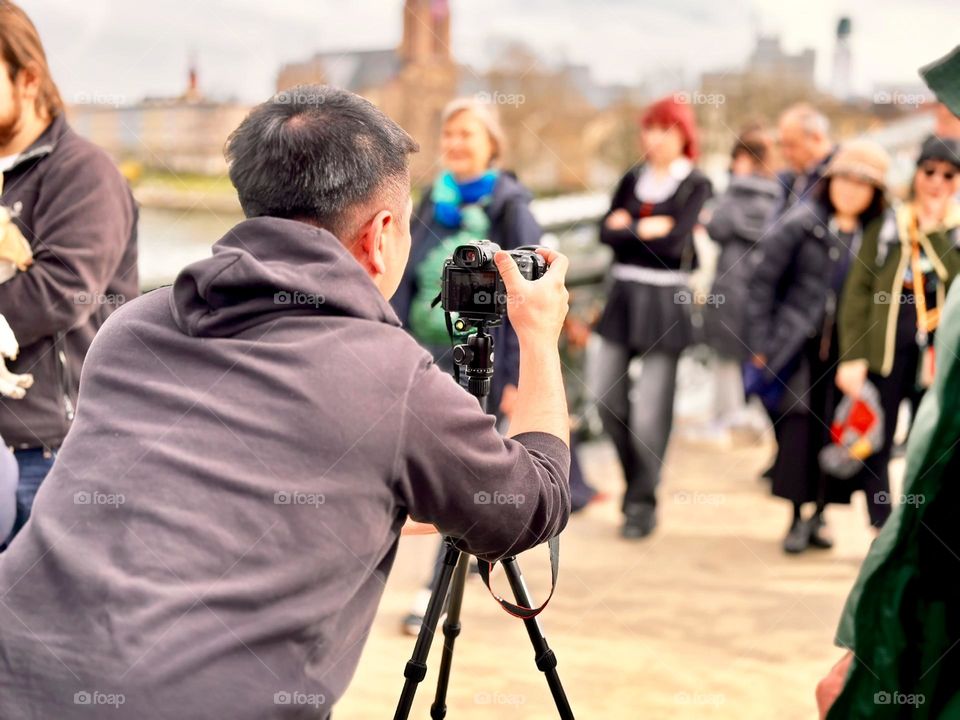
pixel 650 228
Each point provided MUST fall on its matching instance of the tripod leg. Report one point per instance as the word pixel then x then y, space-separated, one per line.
pixel 416 667
pixel 545 658
pixel 451 629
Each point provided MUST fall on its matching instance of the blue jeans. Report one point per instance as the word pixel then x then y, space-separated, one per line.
pixel 637 416
pixel 34 466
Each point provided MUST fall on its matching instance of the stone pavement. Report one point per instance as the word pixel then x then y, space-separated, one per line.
pixel 706 619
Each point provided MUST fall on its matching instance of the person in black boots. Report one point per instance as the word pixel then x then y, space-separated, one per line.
pixel 792 330
pixel 650 228
pixel 893 299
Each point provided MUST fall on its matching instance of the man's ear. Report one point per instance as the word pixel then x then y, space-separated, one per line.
pixel 28 80
pixel 372 240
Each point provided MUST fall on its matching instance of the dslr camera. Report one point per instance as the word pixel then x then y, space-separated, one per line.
pixel 472 286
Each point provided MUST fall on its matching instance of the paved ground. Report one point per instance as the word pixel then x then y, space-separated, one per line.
pixel 706 619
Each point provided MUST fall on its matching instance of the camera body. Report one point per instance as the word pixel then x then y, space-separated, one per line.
pixel 472 286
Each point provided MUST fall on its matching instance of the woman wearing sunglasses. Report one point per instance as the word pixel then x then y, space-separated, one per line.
pixel 893 296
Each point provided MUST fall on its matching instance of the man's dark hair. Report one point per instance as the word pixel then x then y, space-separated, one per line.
pixel 318 154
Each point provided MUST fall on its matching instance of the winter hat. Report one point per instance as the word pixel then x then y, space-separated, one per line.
pixel 943 77
pixel 856 432
pixel 939 148
pixel 862 159
pixel 671 112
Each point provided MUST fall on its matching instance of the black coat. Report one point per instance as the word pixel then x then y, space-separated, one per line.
pixel 737 225
pixel 512 225
pixel 808 190
pixel 790 320
pixel 642 316
pixel 790 286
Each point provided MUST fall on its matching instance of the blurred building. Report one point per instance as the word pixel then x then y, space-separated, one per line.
pixel 185 134
pixel 555 132
pixel 770 81
pixel 770 60
pixel 843 61
pixel 411 83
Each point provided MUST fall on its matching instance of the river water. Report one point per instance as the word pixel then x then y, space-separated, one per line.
pixel 172 239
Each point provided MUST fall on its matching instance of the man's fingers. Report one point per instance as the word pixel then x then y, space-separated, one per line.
pixel 558 265
pixel 508 271
pixel 548 254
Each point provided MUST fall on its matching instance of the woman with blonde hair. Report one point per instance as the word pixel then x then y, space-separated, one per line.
pixel 473 198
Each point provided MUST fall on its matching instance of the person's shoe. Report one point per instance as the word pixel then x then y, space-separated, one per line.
pixel 414 620
pixel 640 521
pixel 798 538
pixel 819 533
pixel 412 624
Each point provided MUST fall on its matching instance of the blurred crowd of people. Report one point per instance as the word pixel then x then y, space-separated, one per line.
pixel 828 286
pixel 827 299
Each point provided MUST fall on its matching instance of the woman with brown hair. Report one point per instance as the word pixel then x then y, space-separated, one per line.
pixel 791 320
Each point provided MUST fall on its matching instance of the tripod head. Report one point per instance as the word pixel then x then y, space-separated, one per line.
pixel 475 356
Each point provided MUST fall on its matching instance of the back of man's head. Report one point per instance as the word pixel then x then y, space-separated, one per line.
pixel 321 155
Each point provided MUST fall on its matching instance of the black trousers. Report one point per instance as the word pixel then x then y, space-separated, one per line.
pixel 899 385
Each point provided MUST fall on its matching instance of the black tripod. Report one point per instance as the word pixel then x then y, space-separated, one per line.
pixel 477 359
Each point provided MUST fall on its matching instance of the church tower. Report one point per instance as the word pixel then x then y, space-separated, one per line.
pixel 426 32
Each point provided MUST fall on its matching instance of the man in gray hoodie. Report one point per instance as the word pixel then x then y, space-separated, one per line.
pixel 215 535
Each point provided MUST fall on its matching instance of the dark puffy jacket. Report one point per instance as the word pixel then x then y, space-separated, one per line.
pixel 76 211
pixel 737 225
pixel 790 285
pixel 512 225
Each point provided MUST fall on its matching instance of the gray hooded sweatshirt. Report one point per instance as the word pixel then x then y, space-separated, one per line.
pixel 215 535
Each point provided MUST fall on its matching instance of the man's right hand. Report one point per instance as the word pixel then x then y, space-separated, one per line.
pixel 536 308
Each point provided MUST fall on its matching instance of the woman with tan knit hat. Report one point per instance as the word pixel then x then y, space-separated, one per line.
pixel 792 330
pixel 893 296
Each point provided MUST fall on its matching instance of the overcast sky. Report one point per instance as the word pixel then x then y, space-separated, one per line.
pixel 121 50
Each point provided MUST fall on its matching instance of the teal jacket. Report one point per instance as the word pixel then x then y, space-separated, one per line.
pixel 902 619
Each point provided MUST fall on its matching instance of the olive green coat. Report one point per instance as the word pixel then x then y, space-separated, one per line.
pixel 873 290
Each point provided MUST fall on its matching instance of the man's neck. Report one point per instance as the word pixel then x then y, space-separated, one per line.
pixel 821 156
pixel 32 127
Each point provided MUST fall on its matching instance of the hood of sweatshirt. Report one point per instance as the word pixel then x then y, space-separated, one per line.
pixel 265 267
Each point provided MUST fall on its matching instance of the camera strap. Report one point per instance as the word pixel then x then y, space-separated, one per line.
pixel 525 613
pixel 453 342
pixel 553 544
